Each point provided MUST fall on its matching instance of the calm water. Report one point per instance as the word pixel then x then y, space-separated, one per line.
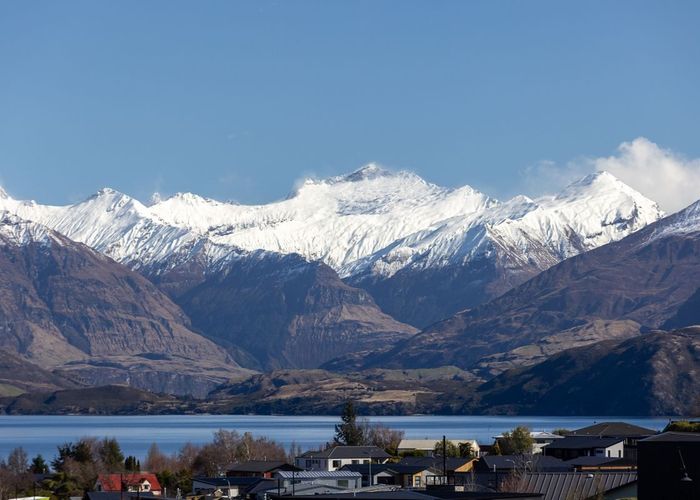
pixel 41 434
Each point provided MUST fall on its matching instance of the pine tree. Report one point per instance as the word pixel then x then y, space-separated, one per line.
pixel 39 465
pixel 347 432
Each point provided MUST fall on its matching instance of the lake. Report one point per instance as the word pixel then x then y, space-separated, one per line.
pixel 41 434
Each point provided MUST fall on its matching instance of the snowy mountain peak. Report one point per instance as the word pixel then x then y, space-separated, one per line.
pixel 18 231
pixel 3 194
pixel 683 222
pixel 371 219
pixel 369 171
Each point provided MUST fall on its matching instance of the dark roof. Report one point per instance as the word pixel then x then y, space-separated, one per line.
pixel 531 462
pixel 613 429
pixel 116 495
pixel 560 485
pixel 263 485
pixel 390 468
pixel 582 443
pixel 675 437
pixel 260 466
pixel 592 460
pixel 225 481
pixel 387 495
pixel 452 463
pixel 339 452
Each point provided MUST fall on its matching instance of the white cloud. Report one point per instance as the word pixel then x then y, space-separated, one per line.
pixel 668 178
pixel 660 174
pixel 547 177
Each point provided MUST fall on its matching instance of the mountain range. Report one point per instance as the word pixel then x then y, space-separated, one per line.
pixel 372 270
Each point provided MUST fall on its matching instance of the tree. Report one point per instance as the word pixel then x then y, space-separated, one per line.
pixel 156 460
pixel 39 465
pixel 18 461
pixel 381 436
pixel 347 432
pixel 449 450
pixel 131 464
pixel 517 442
pixel 111 455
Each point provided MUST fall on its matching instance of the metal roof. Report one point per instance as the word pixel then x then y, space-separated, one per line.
pixel 538 462
pixel 318 474
pixel 390 468
pixel 583 442
pixel 676 437
pixel 575 485
pixel 613 429
pixel 348 452
pixel 259 466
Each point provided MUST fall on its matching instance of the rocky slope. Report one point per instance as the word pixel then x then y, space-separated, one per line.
pixel 275 311
pixel 640 281
pixel 63 305
pixel 389 232
pixel 648 375
pixel 17 376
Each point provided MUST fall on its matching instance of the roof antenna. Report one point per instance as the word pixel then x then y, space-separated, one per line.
pixel 686 478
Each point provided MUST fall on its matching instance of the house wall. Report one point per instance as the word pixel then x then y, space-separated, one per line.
pixel 616 450
pixel 328 464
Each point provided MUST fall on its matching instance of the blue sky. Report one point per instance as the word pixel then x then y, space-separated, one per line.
pixel 238 100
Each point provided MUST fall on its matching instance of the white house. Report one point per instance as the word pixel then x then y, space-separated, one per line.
pixel 427 446
pixel 334 458
pixel 540 439
pixel 330 480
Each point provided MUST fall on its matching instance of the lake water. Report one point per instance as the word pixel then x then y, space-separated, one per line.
pixel 41 434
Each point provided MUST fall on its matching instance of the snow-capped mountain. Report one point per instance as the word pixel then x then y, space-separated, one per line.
pixel 371 226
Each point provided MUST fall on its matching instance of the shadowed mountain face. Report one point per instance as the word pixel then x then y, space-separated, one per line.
pixel 647 375
pixel 63 305
pixel 688 314
pixel 643 279
pixel 280 311
pixel 422 297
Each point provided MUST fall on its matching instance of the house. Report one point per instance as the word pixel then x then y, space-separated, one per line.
pixel 585 446
pixel 258 468
pixel 427 446
pixel 132 482
pixel 492 470
pixel 448 469
pixel 540 439
pixel 581 485
pixel 629 432
pixel 405 476
pixel 334 458
pixel 669 466
pixel 338 479
pixel 229 487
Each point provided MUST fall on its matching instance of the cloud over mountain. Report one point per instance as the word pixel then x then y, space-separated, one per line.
pixel 664 176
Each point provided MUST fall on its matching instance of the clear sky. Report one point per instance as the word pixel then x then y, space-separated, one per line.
pixel 238 100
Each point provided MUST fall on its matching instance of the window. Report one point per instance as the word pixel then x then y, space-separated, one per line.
pixel 365 461
pixel 355 462
pixel 342 483
pixel 336 464
pixel 416 481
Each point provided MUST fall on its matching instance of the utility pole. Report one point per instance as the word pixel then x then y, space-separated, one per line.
pixel 444 459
